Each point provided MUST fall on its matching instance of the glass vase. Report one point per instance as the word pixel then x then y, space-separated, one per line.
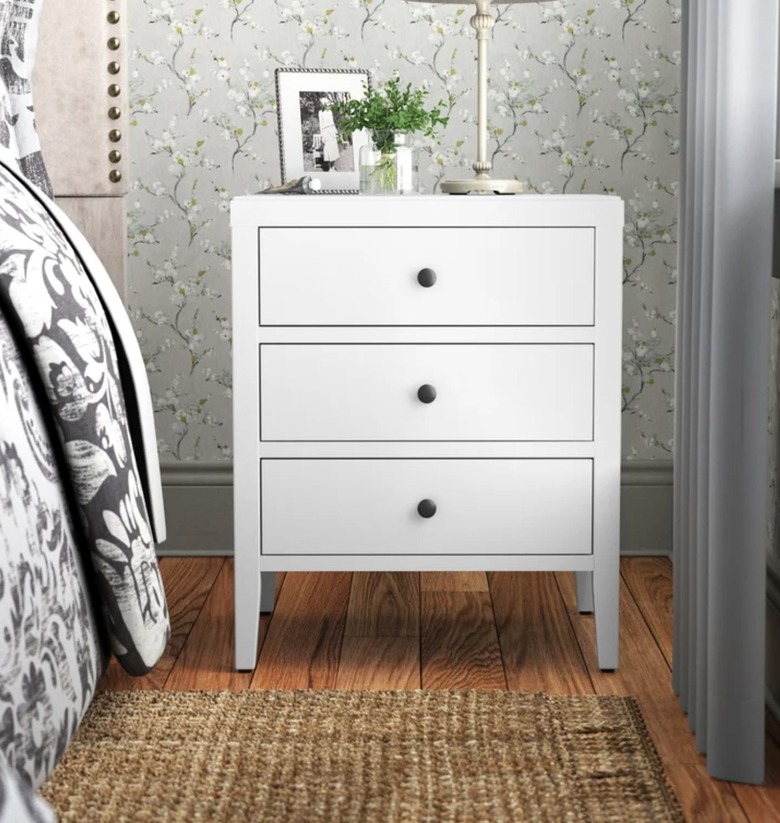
pixel 388 164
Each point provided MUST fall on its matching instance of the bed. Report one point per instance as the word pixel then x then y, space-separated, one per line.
pixel 80 492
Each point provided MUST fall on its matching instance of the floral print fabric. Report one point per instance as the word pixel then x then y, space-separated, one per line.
pixel 51 302
pixel 18 136
pixel 51 654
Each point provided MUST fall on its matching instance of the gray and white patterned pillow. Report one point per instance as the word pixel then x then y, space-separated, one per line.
pixel 59 317
pixel 19 22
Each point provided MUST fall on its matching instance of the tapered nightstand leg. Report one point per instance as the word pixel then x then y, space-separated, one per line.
pixel 584 585
pixel 606 601
pixel 267 591
pixel 247 563
pixel 247 611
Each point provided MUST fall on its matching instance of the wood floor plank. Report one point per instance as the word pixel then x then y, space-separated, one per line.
pixel 453 582
pixel 538 645
pixel 207 659
pixel 762 803
pixel 381 648
pixel 650 582
pixel 773 727
pixel 379 663
pixel 303 642
pixel 702 798
pixel 644 674
pixel 279 583
pixel 187 582
pixel 384 604
pixel 459 643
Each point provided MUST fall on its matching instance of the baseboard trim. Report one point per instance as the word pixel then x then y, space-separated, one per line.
pixel 199 508
pixel 773 638
pixel 646 473
pixel 646 507
pixel 198 499
pixel 197 473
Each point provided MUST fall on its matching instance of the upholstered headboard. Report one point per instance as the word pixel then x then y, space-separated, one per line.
pixel 80 98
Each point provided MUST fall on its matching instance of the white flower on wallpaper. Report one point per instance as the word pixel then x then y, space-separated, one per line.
pixel 583 97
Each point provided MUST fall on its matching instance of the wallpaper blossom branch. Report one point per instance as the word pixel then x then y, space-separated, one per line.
pixel 584 97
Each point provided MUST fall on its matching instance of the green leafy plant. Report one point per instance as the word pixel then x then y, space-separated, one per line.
pixel 387 111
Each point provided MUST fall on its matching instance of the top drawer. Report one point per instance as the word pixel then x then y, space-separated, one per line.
pixel 483 276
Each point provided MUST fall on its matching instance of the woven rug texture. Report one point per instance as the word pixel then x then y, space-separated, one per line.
pixel 362 756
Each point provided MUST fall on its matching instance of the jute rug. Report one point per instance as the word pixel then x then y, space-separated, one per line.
pixel 338 757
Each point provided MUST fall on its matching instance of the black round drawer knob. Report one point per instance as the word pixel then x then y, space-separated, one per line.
pixel 426 278
pixel 426 393
pixel 426 508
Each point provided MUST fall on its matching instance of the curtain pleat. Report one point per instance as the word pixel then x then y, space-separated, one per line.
pixel 728 114
pixel 680 524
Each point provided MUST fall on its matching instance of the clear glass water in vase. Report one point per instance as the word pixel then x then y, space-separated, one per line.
pixel 388 164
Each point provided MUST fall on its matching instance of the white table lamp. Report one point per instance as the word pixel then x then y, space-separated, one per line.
pixel 483 23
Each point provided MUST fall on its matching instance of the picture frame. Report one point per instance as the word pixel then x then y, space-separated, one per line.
pixel 309 139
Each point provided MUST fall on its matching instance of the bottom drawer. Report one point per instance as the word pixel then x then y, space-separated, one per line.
pixel 370 507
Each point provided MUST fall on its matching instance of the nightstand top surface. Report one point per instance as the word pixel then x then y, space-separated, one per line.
pixel 422 210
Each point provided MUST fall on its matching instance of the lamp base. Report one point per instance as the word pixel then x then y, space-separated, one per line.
pixel 484 185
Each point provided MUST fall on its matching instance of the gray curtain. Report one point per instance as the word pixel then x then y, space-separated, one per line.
pixel 729 85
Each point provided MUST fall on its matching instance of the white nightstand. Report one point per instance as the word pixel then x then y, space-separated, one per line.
pixel 427 383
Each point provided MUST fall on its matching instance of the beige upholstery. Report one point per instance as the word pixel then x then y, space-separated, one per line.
pixel 70 87
pixel 103 221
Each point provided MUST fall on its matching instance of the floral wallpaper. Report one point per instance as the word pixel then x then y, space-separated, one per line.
pixel 584 97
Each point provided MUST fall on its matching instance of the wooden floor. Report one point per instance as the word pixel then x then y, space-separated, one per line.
pixel 450 631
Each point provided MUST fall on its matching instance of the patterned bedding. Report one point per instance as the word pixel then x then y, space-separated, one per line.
pixel 52 653
pixel 19 22
pixel 78 572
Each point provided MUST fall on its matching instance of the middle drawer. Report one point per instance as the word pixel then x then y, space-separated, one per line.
pixel 426 392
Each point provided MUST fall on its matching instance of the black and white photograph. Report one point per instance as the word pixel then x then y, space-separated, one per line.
pixel 324 147
pixel 310 138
